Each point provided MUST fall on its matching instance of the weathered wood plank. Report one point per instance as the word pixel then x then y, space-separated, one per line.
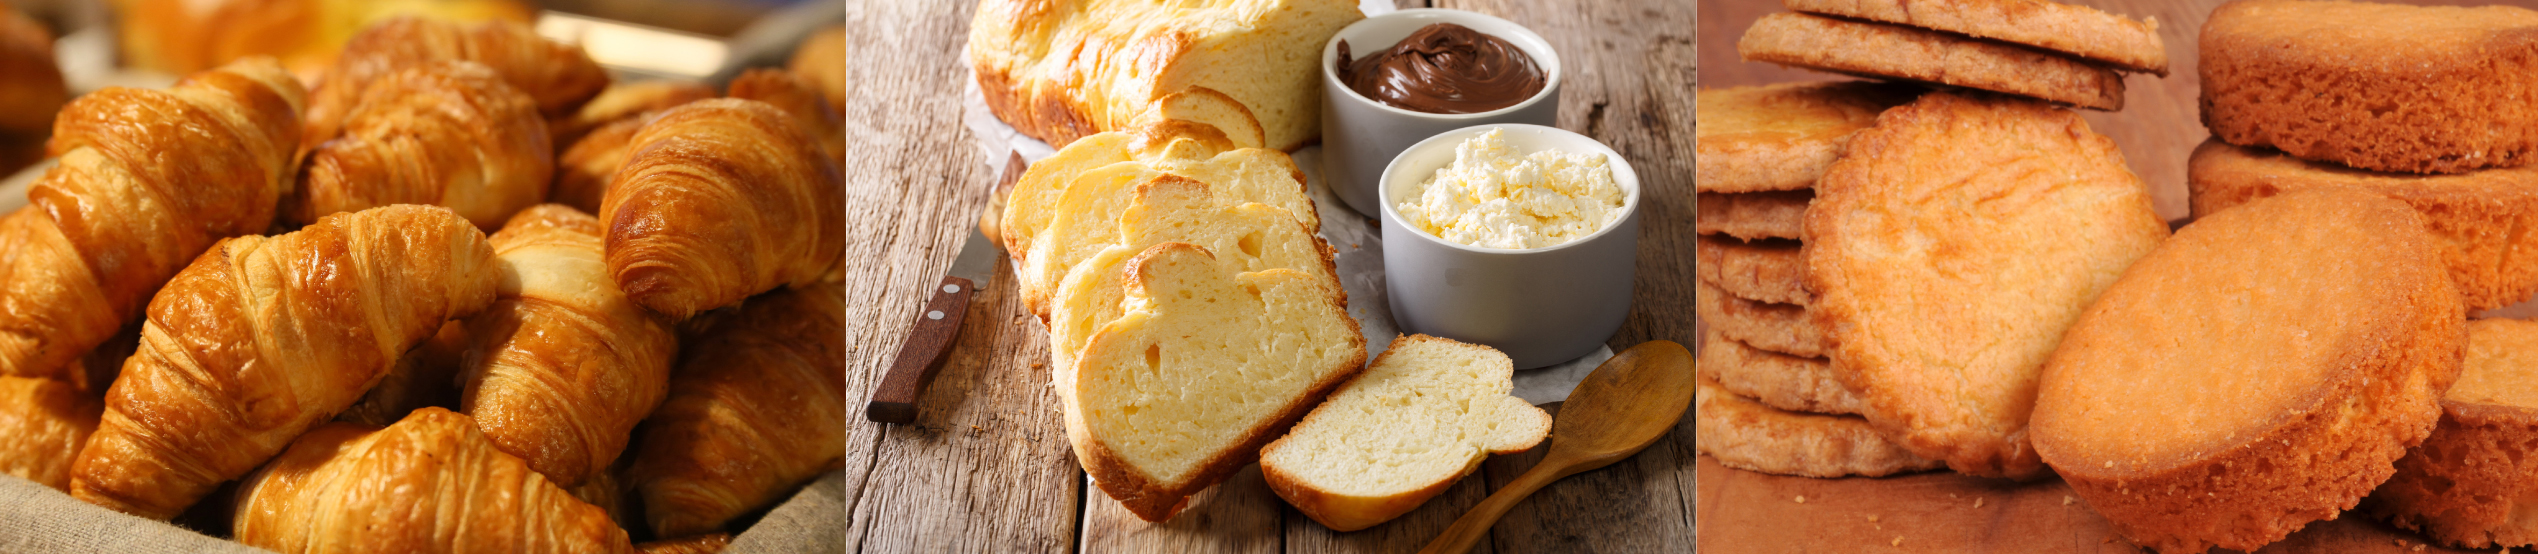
pixel 1239 515
pixel 1633 505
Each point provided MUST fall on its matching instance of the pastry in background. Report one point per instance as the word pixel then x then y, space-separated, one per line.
pixel 1420 418
pixel 1059 71
pixel 1752 216
pixel 185 36
pixel 822 59
pixel 1744 434
pixel 2469 483
pixel 31 90
pixel 446 133
pixel 430 483
pixel 43 422
pixel 2385 87
pixel 800 97
pixel 112 222
pixel 424 377
pixel 623 101
pixel 2259 371
pixel 559 77
pixel 264 337
pixel 722 199
pixel 1882 50
pixel 2079 31
pixel 756 408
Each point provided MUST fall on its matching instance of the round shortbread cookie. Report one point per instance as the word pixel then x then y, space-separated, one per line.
pixel 2259 371
pixel 1751 215
pixel 2386 87
pixel 1779 328
pixel 1885 51
pixel 1764 271
pixel 1949 249
pixel 1781 137
pixel 1744 434
pixel 1777 380
pixel 2480 217
pixel 2472 482
pixel 2076 30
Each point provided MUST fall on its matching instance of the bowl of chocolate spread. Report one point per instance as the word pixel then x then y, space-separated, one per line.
pixel 1395 79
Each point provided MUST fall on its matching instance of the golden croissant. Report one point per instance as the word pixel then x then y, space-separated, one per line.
pixel 757 406
pixel 557 76
pixel 119 216
pixel 594 142
pixel 562 366
pixel 264 337
pixel 721 199
pixel 429 483
pixel 447 133
pixel 795 95
pixel 42 424
pixel 623 101
pixel 425 376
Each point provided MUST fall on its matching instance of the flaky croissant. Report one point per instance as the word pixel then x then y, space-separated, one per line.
pixel 557 76
pixel 148 179
pixel 446 133
pixel 757 406
pixel 42 424
pixel 584 169
pixel 562 366
pixel 430 483
pixel 263 337
pixel 798 96
pixel 721 199
pixel 624 101
pixel 600 136
pixel 424 377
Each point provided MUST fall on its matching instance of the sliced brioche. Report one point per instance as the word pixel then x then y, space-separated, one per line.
pixel 1774 379
pixel 1781 137
pixel 1747 435
pixel 2472 483
pixel 1420 418
pixel 1089 214
pixel 1202 368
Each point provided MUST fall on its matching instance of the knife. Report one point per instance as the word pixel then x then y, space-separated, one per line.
pixel 939 322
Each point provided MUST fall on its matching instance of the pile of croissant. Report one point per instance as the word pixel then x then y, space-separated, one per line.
pixel 281 306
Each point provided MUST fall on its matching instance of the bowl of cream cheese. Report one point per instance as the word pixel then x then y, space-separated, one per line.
pixel 1521 237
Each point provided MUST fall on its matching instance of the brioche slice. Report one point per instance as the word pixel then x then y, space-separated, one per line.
pixel 2472 483
pixel 1059 227
pixel 1744 434
pixel 1781 328
pixel 1764 271
pixel 1781 137
pixel 1752 215
pixel 1777 380
pixel 1885 51
pixel 1203 368
pixel 1420 418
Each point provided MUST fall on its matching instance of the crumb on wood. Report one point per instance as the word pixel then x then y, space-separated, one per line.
pixel 1978 502
pixel 1802 499
pixel 1872 518
pixel 2067 500
pixel 1898 541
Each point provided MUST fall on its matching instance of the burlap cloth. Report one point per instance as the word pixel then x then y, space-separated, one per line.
pixel 36 519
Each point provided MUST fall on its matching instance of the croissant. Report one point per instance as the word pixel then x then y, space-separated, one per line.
pixel 584 169
pixel 562 366
pixel 798 96
pixel 430 483
pixel 42 424
pixel 721 199
pixel 264 337
pixel 557 76
pixel 425 376
pixel 700 544
pixel 822 59
pixel 448 132
pixel 601 134
pixel 117 217
pixel 757 406
pixel 623 101
pixel 31 86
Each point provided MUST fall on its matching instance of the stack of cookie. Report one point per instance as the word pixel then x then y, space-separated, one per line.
pixel 1768 398
pixel 2066 54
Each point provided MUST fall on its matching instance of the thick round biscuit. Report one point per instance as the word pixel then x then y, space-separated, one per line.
pixel 1779 328
pixel 1777 380
pixel 1885 51
pixel 1744 434
pixel 2076 30
pixel 1751 215
pixel 2480 218
pixel 1949 249
pixel 2472 483
pixel 2375 86
pixel 2259 371
pixel 1781 137
pixel 1770 271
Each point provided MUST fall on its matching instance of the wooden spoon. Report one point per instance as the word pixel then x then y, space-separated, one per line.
pixel 1621 408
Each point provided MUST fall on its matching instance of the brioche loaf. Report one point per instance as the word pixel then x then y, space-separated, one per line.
pixel 1062 70
pixel 1420 418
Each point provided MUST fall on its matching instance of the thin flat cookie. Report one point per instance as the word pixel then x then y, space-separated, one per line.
pixel 1751 215
pixel 1764 271
pixel 2080 31
pixel 1779 328
pixel 1747 435
pixel 1892 51
pixel 1777 380
pixel 1781 137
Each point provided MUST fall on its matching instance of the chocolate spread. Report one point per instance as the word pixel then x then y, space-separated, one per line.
pixel 1444 68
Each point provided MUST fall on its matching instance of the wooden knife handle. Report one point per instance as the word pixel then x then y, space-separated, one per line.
pixel 928 340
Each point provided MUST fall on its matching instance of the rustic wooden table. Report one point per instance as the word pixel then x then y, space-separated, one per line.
pixel 1743 511
pixel 987 467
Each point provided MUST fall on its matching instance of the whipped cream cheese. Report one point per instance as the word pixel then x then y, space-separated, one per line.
pixel 1494 197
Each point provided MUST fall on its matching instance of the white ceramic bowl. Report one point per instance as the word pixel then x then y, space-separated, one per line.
pixel 1360 135
pixel 1541 306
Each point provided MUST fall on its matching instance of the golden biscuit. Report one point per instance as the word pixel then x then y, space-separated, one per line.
pixel 1744 434
pixel 1777 380
pixel 2076 30
pixel 1764 271
pixel 1948 250
pixel 2472 483
pixel 2375 86
pixel 1779 328
pixel 2259 371
pixel 1751 215
pixel 2479 217
pixel 1897 52
pixel 1781 137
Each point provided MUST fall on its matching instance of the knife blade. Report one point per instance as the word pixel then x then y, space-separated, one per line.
pixel 938 324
